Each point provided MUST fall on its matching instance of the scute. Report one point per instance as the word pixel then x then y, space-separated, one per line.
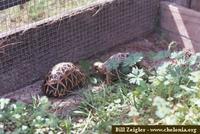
pixel 119 58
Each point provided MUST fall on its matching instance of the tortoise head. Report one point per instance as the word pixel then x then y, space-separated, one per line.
pixel 99 67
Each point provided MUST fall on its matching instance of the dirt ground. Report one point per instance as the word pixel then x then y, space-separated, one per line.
pixel 63 106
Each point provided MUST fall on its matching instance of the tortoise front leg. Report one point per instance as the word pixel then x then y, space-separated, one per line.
pixel 108 78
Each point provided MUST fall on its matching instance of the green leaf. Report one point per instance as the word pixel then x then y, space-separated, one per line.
pixel 162 107
pixel 126 70
pixel 190 90
pixel 93 80
pixel 170 120
pixel 177 55
pixel 196 101
pixel 132 59
pixel 1 130
pixel 135 77
pixel 85 65
pixel 161 55
pixel 4 102
pixel 80 113
pixel 117 101
pixel 151 54
pixel 133 112
pixel 195 76
pixel 113 64
pixel 67 126
pixel 194 59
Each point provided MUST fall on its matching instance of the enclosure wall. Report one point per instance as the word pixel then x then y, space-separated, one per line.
pixel 26 54
pixel 181 25
pixel 192 4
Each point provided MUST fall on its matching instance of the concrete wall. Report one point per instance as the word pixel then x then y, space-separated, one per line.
pixel 184 3
pixel 193 4
pixel 181 24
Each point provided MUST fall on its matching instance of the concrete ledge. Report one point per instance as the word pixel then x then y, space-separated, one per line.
pixel 181 24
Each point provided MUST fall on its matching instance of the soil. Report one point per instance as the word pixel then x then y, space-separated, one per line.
pixel 63 106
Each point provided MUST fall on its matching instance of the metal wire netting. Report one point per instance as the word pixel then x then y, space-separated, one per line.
pixel 41 33
pixel 16 13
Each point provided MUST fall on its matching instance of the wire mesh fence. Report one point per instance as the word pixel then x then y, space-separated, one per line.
pixel 16 13
pixel 46 32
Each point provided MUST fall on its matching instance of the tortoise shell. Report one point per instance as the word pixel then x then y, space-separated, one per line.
pixel 119 58
pixel 103 67
pixel 62 79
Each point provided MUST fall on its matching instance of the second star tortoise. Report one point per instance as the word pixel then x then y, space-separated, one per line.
pixel 113 66
pixel 62 79
pixel 103 68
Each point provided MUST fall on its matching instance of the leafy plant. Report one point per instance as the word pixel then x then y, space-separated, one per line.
pixel 171 96
pixel 132 59
pixel 135 77
pixel 160 55
pixel 85 66
pixel 21 118
pixel 113 64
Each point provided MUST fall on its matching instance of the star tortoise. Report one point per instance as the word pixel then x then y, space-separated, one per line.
pixel 62 79
pixel 102 68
